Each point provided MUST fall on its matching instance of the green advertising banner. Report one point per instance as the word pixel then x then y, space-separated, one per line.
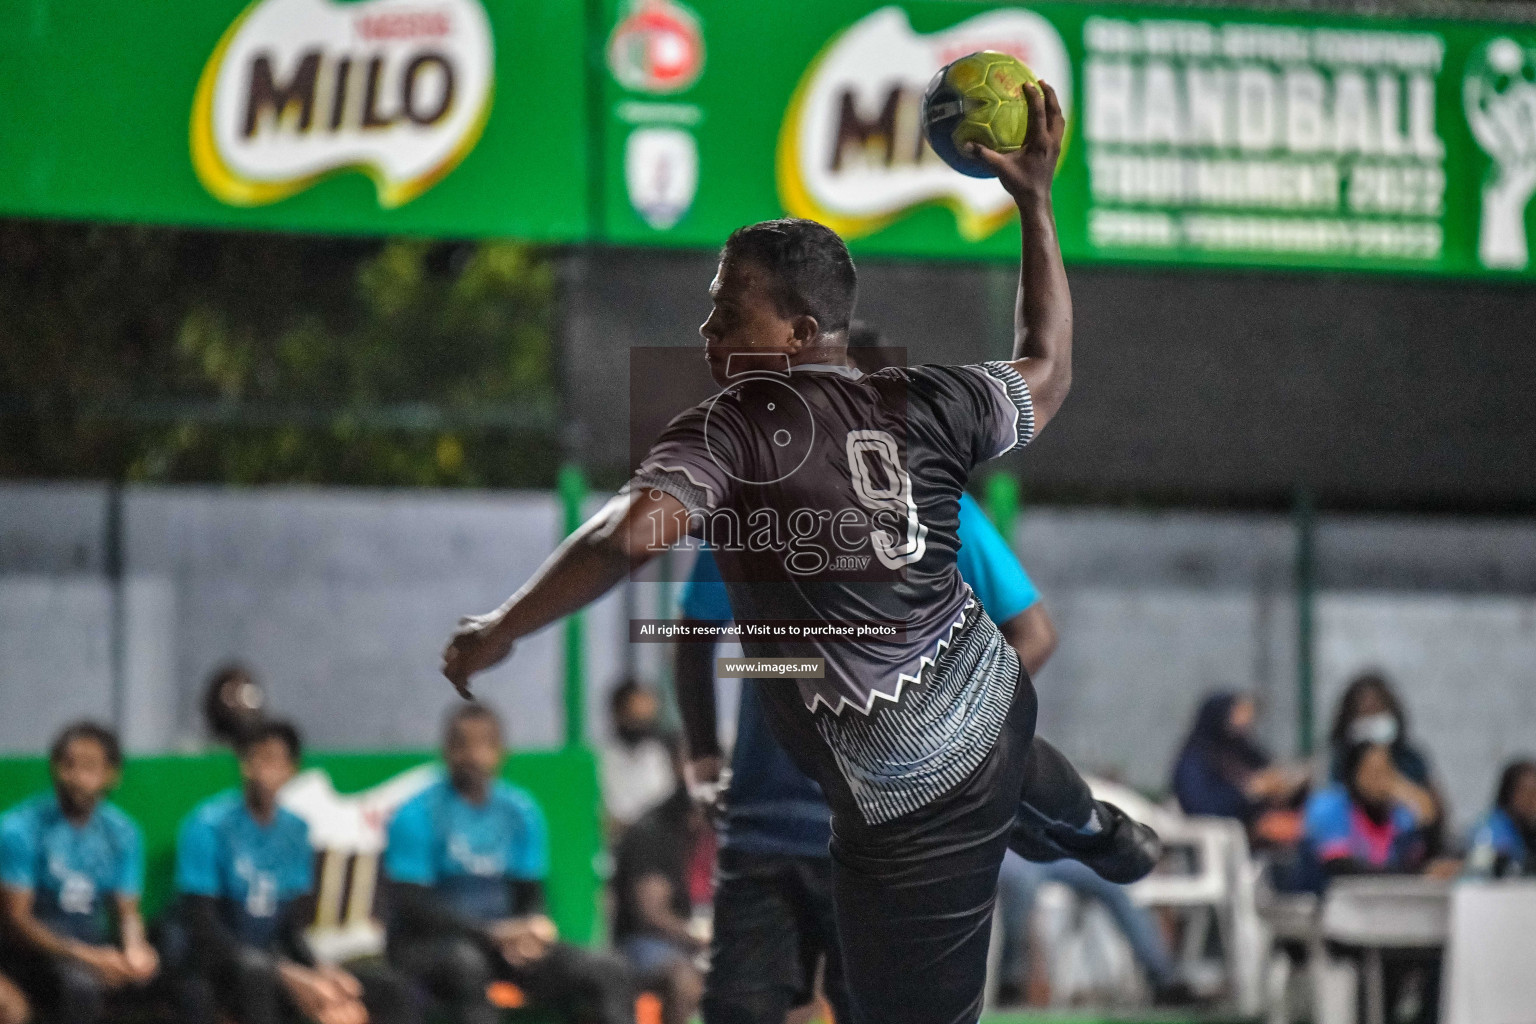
pixel 1198 137
pixel 1194 136
pixel 442 117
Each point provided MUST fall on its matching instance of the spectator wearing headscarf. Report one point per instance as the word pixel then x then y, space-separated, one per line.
pixel 1223 772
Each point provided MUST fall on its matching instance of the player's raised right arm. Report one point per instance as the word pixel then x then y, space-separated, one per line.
pixel 629 531
pixel 1042 346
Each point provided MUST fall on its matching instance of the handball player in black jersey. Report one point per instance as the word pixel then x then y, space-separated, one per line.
pixel 922 740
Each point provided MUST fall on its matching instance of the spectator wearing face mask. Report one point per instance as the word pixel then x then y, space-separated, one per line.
pixel 1503 845
pixel 1370 712
pixel 636 761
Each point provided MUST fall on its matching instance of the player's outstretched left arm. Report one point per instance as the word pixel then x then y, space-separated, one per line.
pixel 629 531
pixel 1042 347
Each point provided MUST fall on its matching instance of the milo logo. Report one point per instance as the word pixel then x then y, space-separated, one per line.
pixel 851 150
pixel 299 89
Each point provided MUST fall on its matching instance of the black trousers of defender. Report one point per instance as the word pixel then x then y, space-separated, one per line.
pixel 576 985
pixel 774 919
pixel 244 987
pixel 915 895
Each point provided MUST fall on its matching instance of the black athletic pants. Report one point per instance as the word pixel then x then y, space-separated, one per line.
pixel 774 921
pixel 576 985
pixel 914 896
pixel 244 987
pixel 60 988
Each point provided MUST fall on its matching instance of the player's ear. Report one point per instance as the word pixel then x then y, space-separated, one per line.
pixel 806 331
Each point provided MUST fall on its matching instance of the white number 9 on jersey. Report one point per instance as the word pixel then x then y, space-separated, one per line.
pixel 894 495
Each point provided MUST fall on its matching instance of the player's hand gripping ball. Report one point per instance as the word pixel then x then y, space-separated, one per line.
pixel 978 98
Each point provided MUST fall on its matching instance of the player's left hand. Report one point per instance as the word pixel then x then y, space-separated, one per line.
pixel 1029 170
pixel 477 644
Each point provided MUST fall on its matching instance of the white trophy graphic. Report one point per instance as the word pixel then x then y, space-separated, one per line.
pixel 1499 92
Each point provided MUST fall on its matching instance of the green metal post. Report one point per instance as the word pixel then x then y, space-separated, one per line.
pixel 1305 515
pixel 572 486
pixel 1002 503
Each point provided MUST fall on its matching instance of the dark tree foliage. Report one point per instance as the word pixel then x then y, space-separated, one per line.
pixel 152 354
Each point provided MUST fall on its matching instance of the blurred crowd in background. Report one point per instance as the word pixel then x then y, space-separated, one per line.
pixel 466 860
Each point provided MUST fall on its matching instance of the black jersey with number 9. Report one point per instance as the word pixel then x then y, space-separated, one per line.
pixel 832 497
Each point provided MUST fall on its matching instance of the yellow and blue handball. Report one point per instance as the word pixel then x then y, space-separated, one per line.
pixel 978 98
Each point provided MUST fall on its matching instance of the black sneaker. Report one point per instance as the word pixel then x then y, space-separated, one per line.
pixel 1122 851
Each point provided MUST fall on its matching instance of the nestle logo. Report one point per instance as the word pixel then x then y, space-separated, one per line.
pixel 403 25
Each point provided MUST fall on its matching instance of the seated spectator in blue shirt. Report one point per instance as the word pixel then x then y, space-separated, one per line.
pixel 466 860
pixel 71 869
pixel 1362 825
pixel 1503 845
pixel 245 879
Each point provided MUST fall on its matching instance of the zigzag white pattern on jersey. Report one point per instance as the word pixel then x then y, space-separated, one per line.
pixel 914 752
pixel 902 679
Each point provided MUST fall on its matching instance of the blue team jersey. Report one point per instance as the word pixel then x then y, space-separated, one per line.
pixel 1335 828
pixel 251 868
pixel 69 869
pixel 1495 847
pixel 469 853
pixel 772 807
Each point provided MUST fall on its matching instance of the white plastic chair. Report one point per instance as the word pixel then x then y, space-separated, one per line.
pixel 1220 887
pixel 348 834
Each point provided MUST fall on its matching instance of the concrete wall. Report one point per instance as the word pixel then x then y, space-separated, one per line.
pixel 1155 610
pixel 341 600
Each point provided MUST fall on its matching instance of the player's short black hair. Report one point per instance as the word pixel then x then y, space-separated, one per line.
pixel 271 729
pixel 812 272
pixel 474 711
pixel 1509 779
pixel 99 734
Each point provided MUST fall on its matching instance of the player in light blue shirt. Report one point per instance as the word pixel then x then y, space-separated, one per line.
pixel 466 862
pixel 245 876
pixel 256 871
pixel 71 870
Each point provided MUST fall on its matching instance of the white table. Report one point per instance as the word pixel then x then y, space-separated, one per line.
pixel 1377 914
pixel 1490 961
